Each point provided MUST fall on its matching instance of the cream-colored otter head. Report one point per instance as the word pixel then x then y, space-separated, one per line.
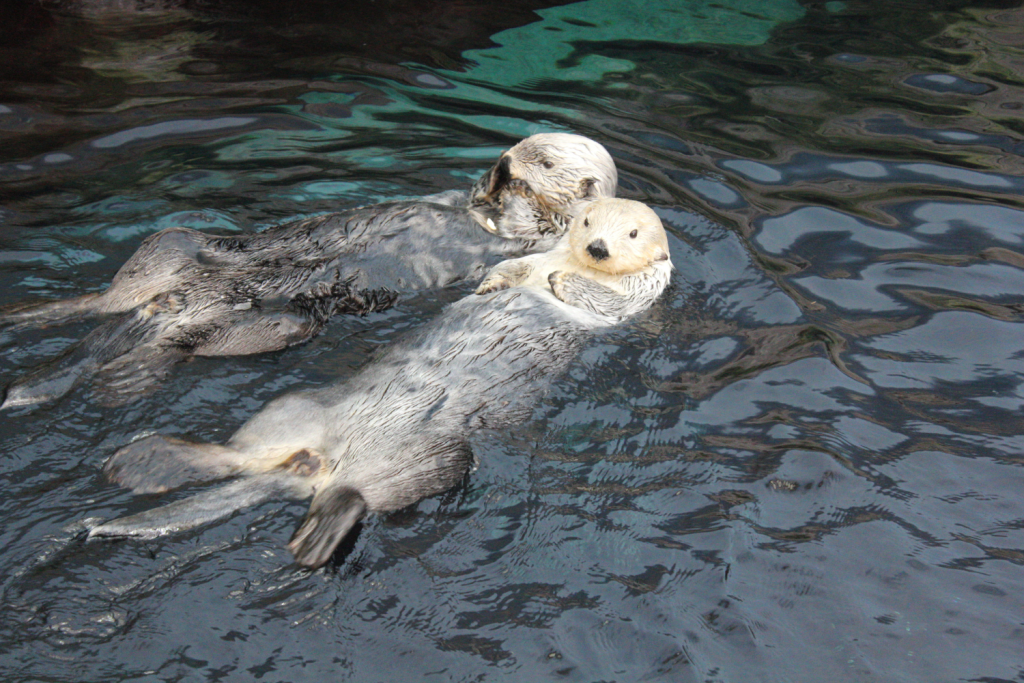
pixel 618 236
pixel 546 177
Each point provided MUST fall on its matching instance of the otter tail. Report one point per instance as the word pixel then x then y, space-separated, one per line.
pixel 334 511
pixel 206 507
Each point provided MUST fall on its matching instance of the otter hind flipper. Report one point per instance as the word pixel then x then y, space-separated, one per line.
pixel 277 324
pixel 136 373
pixel 206 507
pixel 158 464
pixel 332 514
pixel 124 348
pixel 48 382
pixel 77 364
pixel 49 312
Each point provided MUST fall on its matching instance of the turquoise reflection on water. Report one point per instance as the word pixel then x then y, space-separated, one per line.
pixel 564 45
pixel 550 48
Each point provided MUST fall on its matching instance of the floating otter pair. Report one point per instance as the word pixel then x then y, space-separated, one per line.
pixel 187 293
pixel 398 431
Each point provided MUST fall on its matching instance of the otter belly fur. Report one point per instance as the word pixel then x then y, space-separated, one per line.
pixel 187 293
pixel 396 432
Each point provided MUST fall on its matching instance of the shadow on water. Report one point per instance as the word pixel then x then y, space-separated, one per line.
pixel 803 464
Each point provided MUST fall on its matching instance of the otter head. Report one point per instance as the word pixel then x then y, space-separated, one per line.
pixel 539 185
pixel 618 236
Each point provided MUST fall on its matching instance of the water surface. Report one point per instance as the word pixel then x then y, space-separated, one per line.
pixel 803 464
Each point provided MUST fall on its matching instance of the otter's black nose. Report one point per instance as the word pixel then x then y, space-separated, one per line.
pixel 598 249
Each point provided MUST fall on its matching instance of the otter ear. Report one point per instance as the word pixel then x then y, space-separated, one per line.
pixel 587 187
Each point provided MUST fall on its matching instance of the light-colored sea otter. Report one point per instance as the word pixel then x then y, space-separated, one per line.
pixel 187 293
pixel 615 250
pixel 398 431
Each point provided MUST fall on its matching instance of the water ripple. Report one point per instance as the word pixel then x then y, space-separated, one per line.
pixel 803 464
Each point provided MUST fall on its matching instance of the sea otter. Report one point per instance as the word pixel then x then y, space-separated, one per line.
pixel 187 293
pixel 398 431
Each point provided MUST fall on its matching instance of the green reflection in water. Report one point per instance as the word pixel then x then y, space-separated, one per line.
pixel 545 49
pixel 564 45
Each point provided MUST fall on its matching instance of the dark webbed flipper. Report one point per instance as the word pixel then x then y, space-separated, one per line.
pixel 332 514
pixel 158 463
pixel 272 325
pixel 163 263
pixel 206 507
pixel 440 463
pixel 48 382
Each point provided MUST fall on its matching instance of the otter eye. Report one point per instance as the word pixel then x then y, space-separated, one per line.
pixel 632 235
pixel 586 222
pixel 549 164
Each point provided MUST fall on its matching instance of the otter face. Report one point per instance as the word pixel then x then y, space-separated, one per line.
pixel 562 171
pixel 618 236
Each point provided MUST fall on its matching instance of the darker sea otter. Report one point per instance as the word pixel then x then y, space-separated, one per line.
pixel 187 293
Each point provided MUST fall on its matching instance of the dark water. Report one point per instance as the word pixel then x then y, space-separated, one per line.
pixel 805 464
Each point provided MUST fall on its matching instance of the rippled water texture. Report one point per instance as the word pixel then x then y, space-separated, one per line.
pixel 805 464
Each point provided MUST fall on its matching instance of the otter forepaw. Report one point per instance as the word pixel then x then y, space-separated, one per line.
pixel 561 284
pixel 522 213
pixel 519 187
pixel 493 283
pixel 506 274
pixel 582 292
pixel 168 302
